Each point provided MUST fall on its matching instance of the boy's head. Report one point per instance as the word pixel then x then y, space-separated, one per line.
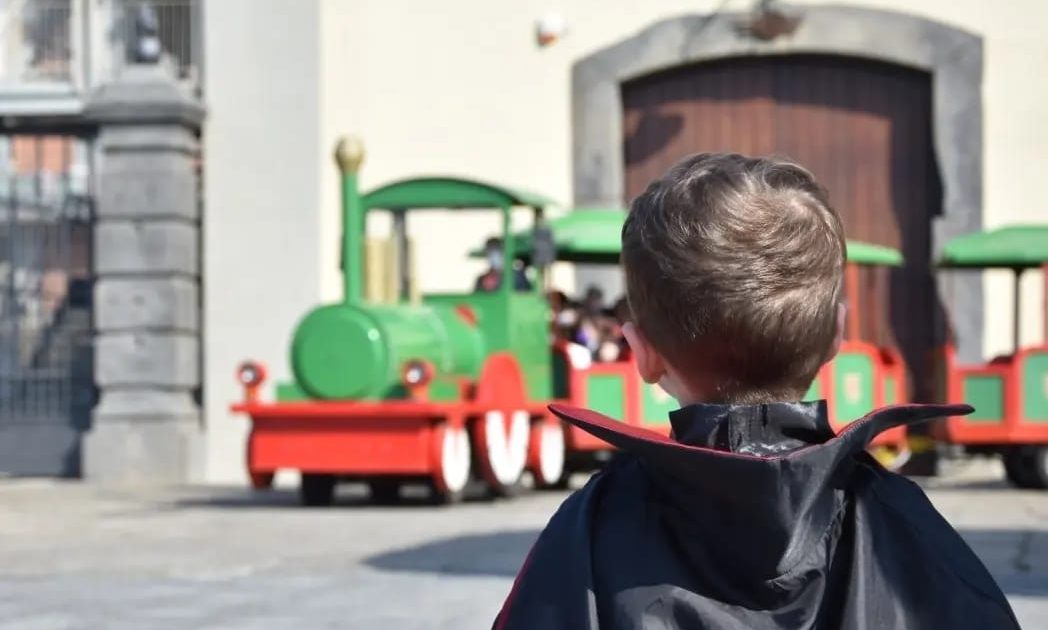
pixel 733 272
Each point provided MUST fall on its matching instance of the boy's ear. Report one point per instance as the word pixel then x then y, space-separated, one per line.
pixel 838 339
pixel 649 363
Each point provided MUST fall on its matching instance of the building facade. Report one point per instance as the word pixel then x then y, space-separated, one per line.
pixel 921 117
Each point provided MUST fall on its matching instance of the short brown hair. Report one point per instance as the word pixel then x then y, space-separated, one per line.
pixel 734 267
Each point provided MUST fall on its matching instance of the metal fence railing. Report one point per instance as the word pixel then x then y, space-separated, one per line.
pixel 46 227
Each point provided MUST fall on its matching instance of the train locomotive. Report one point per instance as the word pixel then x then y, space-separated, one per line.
pixel 443 389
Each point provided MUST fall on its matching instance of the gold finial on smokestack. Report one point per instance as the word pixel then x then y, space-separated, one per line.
pixel 349 154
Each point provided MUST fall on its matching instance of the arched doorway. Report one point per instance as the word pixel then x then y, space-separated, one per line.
pixel 863 127
pixel 950 57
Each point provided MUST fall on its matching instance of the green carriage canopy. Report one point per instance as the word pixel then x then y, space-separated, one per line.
pixel 449 192
pixel 585 235
pixel 862 253
pixel 594 235
pixel 1012 247
pixel 581 236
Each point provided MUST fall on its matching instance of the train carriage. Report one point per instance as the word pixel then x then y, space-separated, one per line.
pixel 1010 392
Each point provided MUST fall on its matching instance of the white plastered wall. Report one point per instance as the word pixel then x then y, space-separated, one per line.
pixel 261 230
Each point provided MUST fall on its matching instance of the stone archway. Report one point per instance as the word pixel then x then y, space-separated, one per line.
pixel 951 56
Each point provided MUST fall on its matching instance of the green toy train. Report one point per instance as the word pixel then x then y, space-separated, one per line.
pixel 391 387
pixel 440 389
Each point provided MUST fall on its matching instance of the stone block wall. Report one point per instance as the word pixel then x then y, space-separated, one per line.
pixel 146 425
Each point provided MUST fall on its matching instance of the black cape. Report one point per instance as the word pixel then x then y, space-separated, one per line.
pixel 753 517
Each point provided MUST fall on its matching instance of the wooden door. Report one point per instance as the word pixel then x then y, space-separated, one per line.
pixel 863 128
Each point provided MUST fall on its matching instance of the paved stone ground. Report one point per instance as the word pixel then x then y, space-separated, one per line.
pixel 79 556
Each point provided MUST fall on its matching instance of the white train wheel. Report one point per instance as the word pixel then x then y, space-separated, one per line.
pixel 547 453
pixel 454 459
pixel 504 447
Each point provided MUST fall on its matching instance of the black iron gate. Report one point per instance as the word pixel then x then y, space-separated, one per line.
pixel 46 384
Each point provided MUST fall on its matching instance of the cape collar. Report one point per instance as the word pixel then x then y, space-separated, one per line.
pixel 802 421
pixel 767 429
pixel 774 475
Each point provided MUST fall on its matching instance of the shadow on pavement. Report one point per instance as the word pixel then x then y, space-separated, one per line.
pixel 1018 559
pixel 495 554
pixel 949 485
pixel 348 495
pixel 1023 584
pixel 241 498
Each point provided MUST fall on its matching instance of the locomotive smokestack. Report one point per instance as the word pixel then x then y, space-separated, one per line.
pixel 349 154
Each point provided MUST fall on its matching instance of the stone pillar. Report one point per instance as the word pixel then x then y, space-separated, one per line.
pixel 147 340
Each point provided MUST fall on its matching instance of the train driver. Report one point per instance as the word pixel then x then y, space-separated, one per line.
pixel 491 279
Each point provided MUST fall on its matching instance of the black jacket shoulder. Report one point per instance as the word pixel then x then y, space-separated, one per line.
pixel 919 558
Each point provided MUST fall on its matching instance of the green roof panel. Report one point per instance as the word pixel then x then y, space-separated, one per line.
pixel 595 236
pixel 584 236
pixel 861 253
pixel 1014 246
pixel 449 192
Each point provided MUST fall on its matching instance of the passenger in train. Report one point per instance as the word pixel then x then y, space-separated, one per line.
pixel 621 310
pixel 595 328
pixel 593 301
pixel 491 279
pixel 588 331
pixel 563 314
pixel 620 316
pixel 610 331
pixel 752 513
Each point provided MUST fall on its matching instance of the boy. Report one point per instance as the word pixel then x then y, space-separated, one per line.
pixel 753 514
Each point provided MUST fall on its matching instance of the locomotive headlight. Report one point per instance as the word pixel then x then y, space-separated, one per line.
pixel 251 374
pixel 416 373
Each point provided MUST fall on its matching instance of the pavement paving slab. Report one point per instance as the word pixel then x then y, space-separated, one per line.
pixel 81 556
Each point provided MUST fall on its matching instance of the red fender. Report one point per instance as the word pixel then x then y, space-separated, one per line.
pixel 260 479
pixel 501 435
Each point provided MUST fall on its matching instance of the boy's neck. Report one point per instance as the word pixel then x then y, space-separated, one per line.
pixel 700 390
pixel 691 396
pixel 685 392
